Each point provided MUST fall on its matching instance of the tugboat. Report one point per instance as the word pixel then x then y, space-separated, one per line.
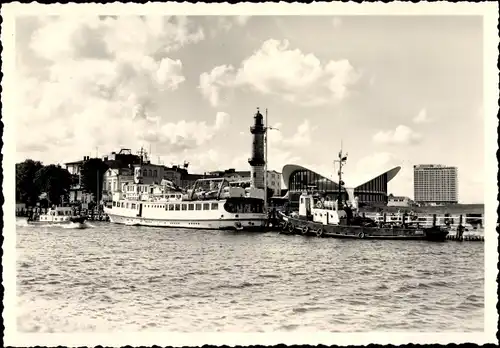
pixel 334 219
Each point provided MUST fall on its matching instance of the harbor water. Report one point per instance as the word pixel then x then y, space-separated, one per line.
pixel 115 278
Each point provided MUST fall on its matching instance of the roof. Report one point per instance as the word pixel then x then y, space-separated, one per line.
pixel 363 179
pixel 76 162
pixel 399 197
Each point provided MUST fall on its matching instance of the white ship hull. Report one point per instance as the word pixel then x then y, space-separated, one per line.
pixel 158 215
pixel 226 224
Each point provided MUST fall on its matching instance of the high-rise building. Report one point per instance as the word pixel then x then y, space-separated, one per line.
pixel 435 184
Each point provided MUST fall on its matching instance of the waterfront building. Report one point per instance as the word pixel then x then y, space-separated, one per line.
pixel 435 184
pixel 121 160
pixel 372 190
pixel 114 179
pixel 149 174
pixel 244 178
pixel 399 201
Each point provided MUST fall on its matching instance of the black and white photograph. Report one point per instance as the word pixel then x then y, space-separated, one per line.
pixel 250 173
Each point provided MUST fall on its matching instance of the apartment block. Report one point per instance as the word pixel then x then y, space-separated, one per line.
pixel 435 184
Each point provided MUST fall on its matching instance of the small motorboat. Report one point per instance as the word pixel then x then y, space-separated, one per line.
pixel 59 216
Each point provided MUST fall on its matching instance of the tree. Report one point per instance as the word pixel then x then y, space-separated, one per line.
pixel 92 173
pixel 54 181
pixel 27 191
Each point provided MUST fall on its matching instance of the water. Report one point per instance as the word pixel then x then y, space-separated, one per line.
pixel 116 278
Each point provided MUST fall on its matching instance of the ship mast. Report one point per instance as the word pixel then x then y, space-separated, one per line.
pixel 341 160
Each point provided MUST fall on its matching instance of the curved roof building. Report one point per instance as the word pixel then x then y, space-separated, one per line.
pixel 371 188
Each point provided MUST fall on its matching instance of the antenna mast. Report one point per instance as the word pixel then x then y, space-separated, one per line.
pixel 265 166
pixel 341 160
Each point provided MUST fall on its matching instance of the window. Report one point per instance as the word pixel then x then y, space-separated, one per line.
pixel 155 173
pixel 198 206
pixel 127 206
pixel 184 207
pixel 215 206
pixel 177 207
pixel 170 207
pixel 191 206
pixel 206 206
pixel 145 172
pixel 114 204
pixel 150 172
pixel 133 205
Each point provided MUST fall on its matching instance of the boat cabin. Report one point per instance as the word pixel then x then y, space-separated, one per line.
pixel 314 209
pixel 57 214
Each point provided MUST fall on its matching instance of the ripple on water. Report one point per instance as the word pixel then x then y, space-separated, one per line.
pixel 179 280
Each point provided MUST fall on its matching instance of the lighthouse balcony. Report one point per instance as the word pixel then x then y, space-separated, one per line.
pixel 256 161
pixel 257 129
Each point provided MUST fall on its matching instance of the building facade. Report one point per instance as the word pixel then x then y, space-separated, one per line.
pixel 399 201
pixel 298 179
pixel 435 184
pixel 150 174
pixel 274 182
pixel 244 177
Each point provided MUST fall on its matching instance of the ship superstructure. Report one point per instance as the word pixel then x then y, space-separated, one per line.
pixel 210 204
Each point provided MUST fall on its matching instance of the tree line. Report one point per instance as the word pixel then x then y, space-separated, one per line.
pixel 34 179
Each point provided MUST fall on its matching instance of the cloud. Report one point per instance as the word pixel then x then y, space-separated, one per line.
pixel 336 22
pixel 93 85
pixel 213 82
pixel 242 20
pixel 225 23
pixel 274 69
pixel 421 117
pixel 179 136
pixel 300 138
pixel 402 135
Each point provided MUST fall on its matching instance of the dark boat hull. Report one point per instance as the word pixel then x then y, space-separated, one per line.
pixel 306 227
pixel 77 219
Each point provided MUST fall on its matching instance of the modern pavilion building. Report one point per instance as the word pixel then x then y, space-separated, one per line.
pixel 373 189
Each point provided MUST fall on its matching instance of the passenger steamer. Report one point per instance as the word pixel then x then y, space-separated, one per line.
pixel 327 218
pixel 211 204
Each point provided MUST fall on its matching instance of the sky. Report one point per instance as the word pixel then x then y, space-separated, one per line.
pixel 396 90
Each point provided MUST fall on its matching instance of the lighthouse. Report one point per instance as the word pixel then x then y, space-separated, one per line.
pixel 257 161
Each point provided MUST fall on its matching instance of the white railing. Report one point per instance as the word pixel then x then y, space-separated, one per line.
pixel 477 224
